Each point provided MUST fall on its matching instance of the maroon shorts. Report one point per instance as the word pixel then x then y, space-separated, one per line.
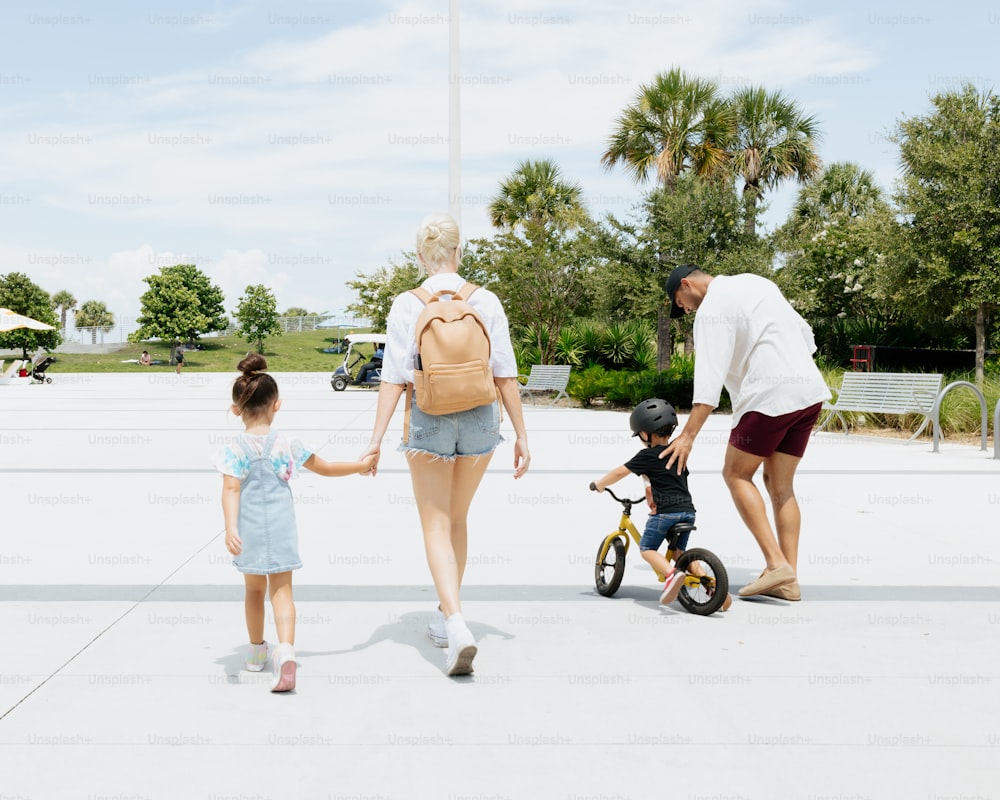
pixel 761 435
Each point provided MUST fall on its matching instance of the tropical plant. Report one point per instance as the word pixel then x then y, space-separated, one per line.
pixel 535 198
pixel 772 141
pixel 538 262
pixel 94 314
pixel 675 123
pixel 64 302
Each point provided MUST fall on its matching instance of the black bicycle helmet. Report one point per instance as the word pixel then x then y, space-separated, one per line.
pixel 653 416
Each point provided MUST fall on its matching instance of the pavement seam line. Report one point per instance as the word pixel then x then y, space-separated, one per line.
pixel 110 625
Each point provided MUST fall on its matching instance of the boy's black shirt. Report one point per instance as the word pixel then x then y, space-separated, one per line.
pixel 670 490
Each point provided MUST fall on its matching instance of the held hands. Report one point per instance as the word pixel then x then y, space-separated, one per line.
pixel 370 458
pixel 368 464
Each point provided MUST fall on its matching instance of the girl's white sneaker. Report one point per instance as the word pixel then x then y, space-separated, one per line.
pixel 284 668
pixel 256 656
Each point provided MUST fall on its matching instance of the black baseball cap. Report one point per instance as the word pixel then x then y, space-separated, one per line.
pixel 674 283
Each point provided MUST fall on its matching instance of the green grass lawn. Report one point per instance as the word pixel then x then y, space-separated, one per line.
pixel 290 352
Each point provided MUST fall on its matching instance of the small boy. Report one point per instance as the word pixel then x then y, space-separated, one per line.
pixel 653 421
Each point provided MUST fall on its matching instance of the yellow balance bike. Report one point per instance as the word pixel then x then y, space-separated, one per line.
pixel 706 586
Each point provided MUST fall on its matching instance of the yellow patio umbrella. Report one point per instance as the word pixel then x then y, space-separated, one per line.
pixel 11 320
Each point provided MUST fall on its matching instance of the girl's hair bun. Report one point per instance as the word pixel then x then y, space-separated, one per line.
pixel 254 362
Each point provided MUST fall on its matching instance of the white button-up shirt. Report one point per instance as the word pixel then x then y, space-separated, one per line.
pixel 748 338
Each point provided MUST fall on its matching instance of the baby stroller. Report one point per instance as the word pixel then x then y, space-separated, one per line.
pixel 39 363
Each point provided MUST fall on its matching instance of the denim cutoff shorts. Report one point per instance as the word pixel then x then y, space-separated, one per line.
pixel 658 527
pixel 475 432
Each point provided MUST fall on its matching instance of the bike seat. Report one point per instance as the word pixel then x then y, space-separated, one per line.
pixel 682 527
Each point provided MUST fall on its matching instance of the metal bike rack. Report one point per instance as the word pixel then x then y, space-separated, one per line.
pixel 996 424
pixel 936 414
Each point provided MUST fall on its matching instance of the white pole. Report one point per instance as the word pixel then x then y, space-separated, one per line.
pixel 454 118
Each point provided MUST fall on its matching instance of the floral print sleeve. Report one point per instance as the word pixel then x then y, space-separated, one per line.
pixel 288 456
pixel 233 461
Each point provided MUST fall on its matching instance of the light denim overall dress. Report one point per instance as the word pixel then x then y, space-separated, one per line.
pixel 266 518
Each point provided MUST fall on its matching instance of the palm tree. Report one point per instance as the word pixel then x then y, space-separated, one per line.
pixel 842 191
pixel 676 123
pixel 773 140
pixel 65 302
pixel 94 314
pixel 536 199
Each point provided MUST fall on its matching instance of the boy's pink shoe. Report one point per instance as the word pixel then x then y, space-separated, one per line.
pixel 284 668
pixel 672 587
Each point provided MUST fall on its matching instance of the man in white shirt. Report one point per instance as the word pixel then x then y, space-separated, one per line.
pixel 749 339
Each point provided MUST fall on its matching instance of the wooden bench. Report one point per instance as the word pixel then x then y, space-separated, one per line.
pixel 547 378
pixel 886 393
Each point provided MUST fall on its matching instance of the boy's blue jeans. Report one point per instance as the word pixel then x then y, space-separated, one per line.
pixel 658 527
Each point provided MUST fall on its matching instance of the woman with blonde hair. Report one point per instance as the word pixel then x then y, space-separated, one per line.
pixel 447 454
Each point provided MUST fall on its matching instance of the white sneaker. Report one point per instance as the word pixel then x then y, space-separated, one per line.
pixel 256 656
pixel 284 668
pixel 461 646
pixel 437 631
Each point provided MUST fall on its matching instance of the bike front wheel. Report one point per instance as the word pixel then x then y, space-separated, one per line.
pixel 609 571
pixel 707 584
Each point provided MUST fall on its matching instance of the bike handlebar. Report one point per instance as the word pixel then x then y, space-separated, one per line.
pixel 622 500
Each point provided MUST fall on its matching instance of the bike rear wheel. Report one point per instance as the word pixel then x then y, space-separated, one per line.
pixel 705 589
pixel 609 571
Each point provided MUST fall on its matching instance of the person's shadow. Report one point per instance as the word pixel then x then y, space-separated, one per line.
pixel 409 629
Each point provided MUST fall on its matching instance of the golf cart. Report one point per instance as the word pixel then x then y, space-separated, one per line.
pixel 348 373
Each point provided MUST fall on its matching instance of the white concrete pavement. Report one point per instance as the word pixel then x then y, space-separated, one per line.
pixel 124 623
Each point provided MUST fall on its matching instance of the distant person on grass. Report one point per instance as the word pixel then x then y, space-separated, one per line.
pixel 749 339
pixel 260 517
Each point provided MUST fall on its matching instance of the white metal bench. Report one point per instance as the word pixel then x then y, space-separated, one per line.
pixel 547 378
pixel 886 393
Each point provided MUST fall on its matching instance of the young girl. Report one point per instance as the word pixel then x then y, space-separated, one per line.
pixel 260 517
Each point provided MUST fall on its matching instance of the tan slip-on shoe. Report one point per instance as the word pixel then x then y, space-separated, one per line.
pixel 769 579
pixel 790 591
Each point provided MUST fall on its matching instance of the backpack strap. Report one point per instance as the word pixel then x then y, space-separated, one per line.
pixel 464 292
pixel 422 295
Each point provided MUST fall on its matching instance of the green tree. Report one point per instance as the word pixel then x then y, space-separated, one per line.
pixel 257 312
pixel 772 140
pixel 833 245
pixel 675 123
pixel 950 196
pixel 542 284
pixel 64 302
pixel 180 305
pixel 376 291
pixel 94 314
pixel 536 257
pixel 842 191
pixel 21 295
pixel 534 198
pixel 694 221
pixel 295 311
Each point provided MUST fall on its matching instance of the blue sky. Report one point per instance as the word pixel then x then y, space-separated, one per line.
pixel 295 144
